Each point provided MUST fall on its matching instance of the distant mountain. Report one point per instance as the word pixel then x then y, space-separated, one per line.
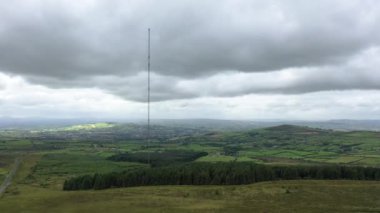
pixel 242 125
pixel 291 128
pixel 343 125
pixel 204 124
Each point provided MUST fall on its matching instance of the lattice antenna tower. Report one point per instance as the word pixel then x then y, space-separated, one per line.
pixel 148 133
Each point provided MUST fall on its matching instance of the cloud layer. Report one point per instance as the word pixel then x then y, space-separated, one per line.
pixel 214 50
pixel 19 98
pixel 103 44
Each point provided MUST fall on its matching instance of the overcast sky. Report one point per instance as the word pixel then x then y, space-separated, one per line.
pixel 224 59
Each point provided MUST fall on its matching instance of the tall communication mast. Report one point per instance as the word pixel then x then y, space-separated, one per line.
pixel 148 133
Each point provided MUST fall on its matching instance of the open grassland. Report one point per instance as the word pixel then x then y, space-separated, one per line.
pixel 281 196
pixel 50 170
pixel 62 164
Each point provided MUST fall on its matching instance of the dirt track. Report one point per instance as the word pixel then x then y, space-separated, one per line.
pixel 8 180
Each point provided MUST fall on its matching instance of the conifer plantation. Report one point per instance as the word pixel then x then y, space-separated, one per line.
pixel 234 173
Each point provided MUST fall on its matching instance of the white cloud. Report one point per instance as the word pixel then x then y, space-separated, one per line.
pixel 19 98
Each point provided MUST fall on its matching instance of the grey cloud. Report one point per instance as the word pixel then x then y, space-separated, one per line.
pixel 132 87
pixel 135 88
pixel 103 44
pixel 359 72
pixel 189 38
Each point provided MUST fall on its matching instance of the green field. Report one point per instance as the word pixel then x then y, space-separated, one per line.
pixel 51 156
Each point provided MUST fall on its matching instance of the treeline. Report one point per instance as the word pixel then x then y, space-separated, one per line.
pixel 233 173
pixel 159 158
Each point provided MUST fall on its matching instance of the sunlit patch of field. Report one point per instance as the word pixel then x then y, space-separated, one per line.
pixel 87 126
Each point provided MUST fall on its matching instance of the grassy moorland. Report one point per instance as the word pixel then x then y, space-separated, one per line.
pixel 279 196
pixel 51 156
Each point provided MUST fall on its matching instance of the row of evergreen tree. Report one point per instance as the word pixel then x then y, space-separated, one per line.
pixel 233 173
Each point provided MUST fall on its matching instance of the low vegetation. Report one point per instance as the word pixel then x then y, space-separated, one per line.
pixel 298 196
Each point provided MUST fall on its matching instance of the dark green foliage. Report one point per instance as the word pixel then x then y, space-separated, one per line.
pixel 233 173
pixel 159 158
pixel 231 150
